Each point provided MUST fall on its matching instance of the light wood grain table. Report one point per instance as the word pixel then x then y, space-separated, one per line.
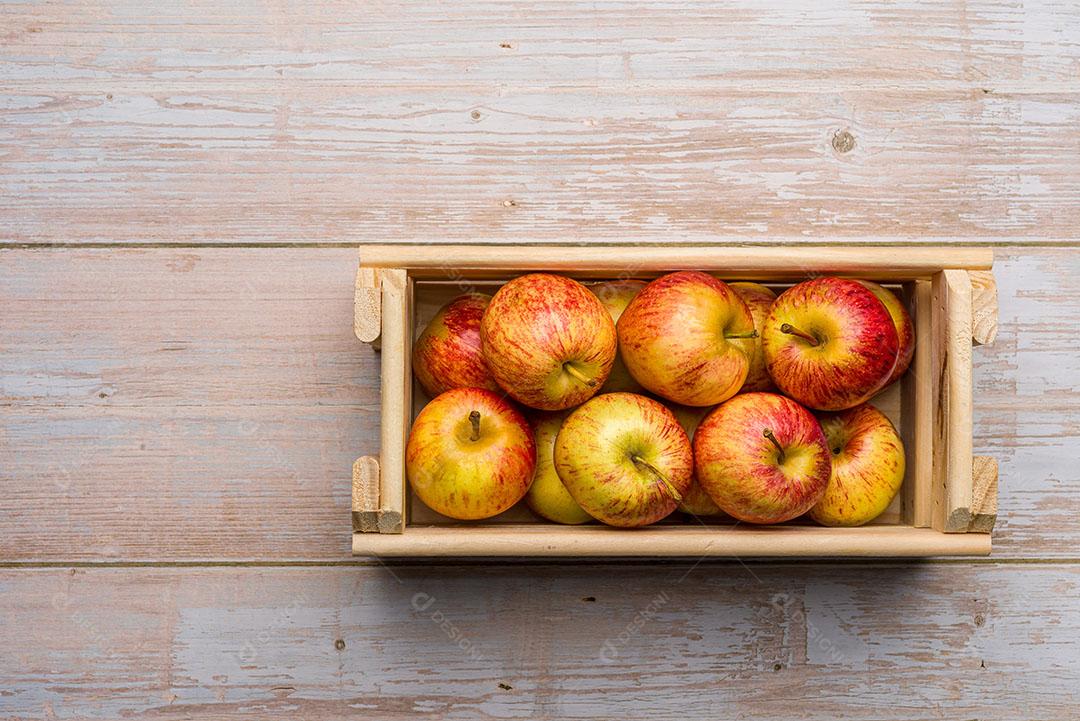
pixel 182 190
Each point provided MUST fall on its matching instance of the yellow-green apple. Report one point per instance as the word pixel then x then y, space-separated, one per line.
pixel 695 501
pixel 905 330
pixel 688 337
pixel 548 341
pixel 829 343
pixel 548 496
pixel 616 295
pixel 867 466
pixel 470 454
pixel 759 300
pixel 762 457
pixel 447 354
pixel 624 458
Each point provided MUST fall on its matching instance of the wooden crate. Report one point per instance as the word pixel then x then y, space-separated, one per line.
pixel 947 504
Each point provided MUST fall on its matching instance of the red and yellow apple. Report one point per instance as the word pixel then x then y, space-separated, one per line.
pixel 548 341
pixel 447 354
pixel 695 501
pixel 829 343
pixel 905 330
pixel 624 459
pixel 867 466
pixel 688 337
pixel 762 458
pixel 616 295
pixel 470 454
pixel 759 300
pixel 548 496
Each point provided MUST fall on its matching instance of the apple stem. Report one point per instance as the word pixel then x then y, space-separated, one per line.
pixel 792 330
pixel 769 434
pixel 672 490
pixel 579 375
pixel 474 418
pixel 751 334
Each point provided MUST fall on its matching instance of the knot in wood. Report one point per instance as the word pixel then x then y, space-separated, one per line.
pixel 843 141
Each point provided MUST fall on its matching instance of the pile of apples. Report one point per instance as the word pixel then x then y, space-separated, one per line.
pixel 623 401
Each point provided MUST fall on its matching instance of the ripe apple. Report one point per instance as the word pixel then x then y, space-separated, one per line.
pixel 447 354
pixel 548 496
pixel 867 466
pixel 688 337
pixel 829 343
pixel 616 295
pixel 759 300
pixel 548 341
pixel 905 330
pixel 624 458
pixel 695 501
pixel 762 457
pixel 470 454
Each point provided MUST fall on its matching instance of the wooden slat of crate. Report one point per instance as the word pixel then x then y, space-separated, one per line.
pixel 427 261
pixel 687 541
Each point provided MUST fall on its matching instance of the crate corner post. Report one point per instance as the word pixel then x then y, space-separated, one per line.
pixel 365 494
pixel 984 307
pixel 367 305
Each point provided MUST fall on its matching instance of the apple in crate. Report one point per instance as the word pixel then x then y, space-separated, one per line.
pixel 867 466
pixel 624 458
pixel 616 295
pixel 470 454
pixel 762 457
pixel 759 300
pixel 548 496
pixel 688 337
pixel 829 343
pixel 447 354
pixel 695 501
pixel 548 341
pixel 905 330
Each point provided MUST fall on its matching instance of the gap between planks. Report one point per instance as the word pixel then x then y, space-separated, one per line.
pixel 735 242
pixel 546 561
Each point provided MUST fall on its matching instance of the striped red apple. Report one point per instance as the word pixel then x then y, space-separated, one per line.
pixel 624 458
pixel 905 330
pixel 470 454
pixel 616 295
pixel 548 341
pixel 688 337
pixel 762 457
pixel 447 354
pixel 695 501
pixel 759 300
pixel 829 343
pixel 867 466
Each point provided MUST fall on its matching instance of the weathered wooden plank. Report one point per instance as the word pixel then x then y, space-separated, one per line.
pixel 346 122
pixel 236 399
pixel 206 482
pixel 554 166
pixel 206 401
pixel 876 641
pixel 1025 402
pixel 827 46
pixel 244 327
